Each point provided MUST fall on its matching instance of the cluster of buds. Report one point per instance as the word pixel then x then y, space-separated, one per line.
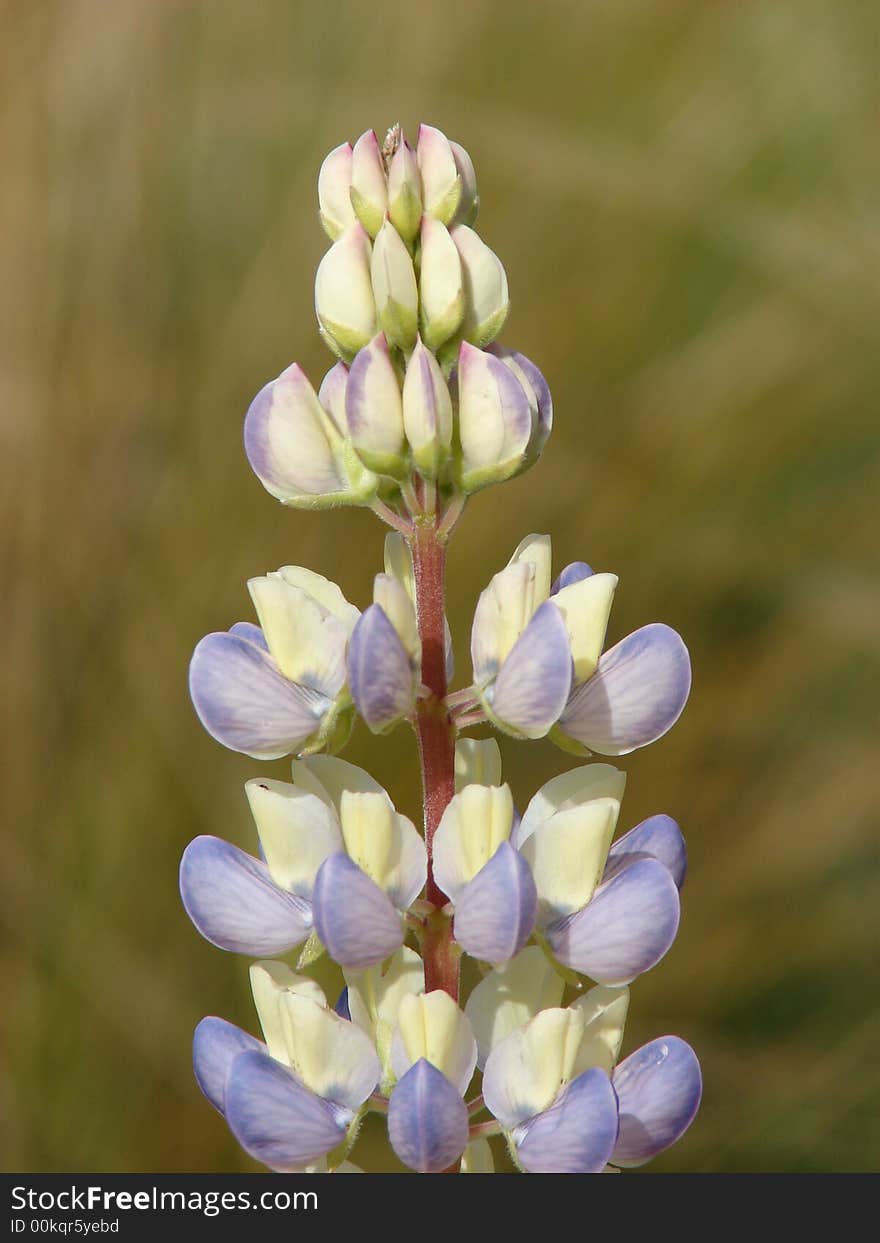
pixel 410 299
pixel 560 914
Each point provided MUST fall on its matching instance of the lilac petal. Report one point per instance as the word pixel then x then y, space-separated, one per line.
pixel 275 1118
pixel 626 927
pixel 354 918
pixel 380 676
pixel 658 836
pixel 235 904
pixel 216 1045
pixel 495 912
pixel 636 694
pixel 246 703
pixel 534 683
pixel 542 393
pixel 427 1119
pixel 342 1007
pixel 247 630
pixel 576 1134
pixel 659 1089
pixel 576 572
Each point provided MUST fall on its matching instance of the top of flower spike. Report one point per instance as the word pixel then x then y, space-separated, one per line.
pixel 368 181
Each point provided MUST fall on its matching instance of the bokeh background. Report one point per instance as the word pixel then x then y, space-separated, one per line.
pixel 685 196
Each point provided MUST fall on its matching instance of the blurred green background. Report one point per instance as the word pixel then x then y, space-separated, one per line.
pixel 685 196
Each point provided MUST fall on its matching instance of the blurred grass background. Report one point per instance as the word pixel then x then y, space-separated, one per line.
pixel 685 196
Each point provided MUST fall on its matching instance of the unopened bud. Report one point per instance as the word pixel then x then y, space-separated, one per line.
pixel 374 410
pixel 394 288
pixel 369 190
pixel 441 284
pixel 470 199
pixel 427 412
pixel 494 417
pixel 297 452
pixel 538 393
pixel 334 184
pixel 331 395
pixel 487 300
pixel 404 192
pixel 441 183
pixel 344 293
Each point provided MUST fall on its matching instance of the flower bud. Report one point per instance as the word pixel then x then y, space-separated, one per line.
pixel 334 182
pixel 344 294
pixel 494 420
pixel 427 412
pixel 470 199
pixel 296 451
pixel 374 410
pixel 394 288
pixel 441 183
pixel 485 286
pixel 331 395
pixel 405 192
pixel 369 191
pixel 538 393
pixel 441 285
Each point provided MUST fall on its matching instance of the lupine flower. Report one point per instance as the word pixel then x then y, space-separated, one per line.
pixel 538 662
pixel 433 1054
pixel 292 1099
pixel 278 688
pixel 339 859
pixel 423 409
pixel 658 1087
pixel 554 1101
pixel 610 913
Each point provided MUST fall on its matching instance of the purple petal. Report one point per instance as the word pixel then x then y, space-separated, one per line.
pixel 658 836
pixel 576 1134
pixel 495 912
pixel 626 927
pixel 427 1120
pixel 275 1118
pixel 659 1089
pixel 216 1045
pixel 380 676
pixel 574 573
pixel 354 918
pixel 342 1007
pixel 636 694
pixel 235 904
pixel 534 683
pixel 246 703
pixel 542 393
pixel 247 630
pixel 285 442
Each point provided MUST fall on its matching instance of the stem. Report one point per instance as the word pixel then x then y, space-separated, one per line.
pixel 436 736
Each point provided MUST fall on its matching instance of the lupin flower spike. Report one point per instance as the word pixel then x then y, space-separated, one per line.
pixel 422 408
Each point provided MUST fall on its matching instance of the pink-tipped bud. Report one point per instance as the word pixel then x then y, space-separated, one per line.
pixel 441 182
pixel 334 184
pixel 394 288
pixel 441 285
pixel 374 410
pixel 344 293
pixel 427 412
pixel 405 192
pixel 369 191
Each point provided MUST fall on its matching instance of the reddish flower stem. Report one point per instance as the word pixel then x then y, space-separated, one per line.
pixel 436 736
